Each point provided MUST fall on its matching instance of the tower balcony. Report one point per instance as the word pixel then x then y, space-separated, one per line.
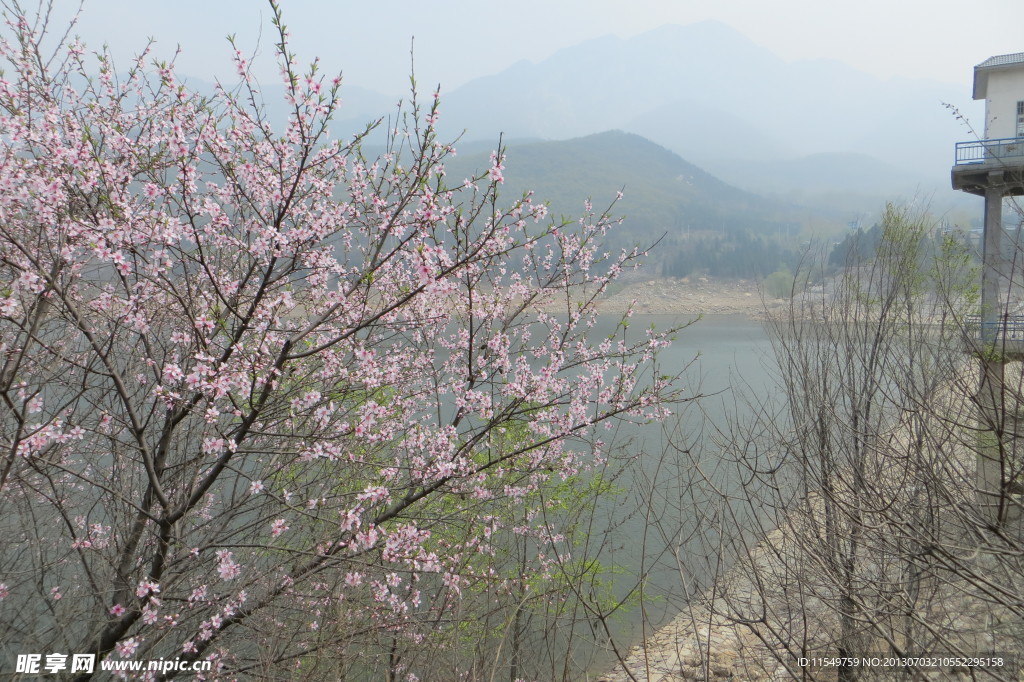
pixel 985 163
pixel 1003 336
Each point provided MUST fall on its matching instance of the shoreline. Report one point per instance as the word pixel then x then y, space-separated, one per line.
pixel 690 296
pixel 705 640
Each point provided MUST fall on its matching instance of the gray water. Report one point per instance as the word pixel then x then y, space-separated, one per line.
pixel 727 364
pixel 664 527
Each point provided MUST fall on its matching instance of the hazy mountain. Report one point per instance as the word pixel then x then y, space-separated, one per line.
pixel 710 94
pixel 603 83
pixel 683 126
pixel 697 222
pixel 843 180
pixel 816 132
pixel 663 193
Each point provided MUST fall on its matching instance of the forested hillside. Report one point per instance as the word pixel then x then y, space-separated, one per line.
pixel 697 221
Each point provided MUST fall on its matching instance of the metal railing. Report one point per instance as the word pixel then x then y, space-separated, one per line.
pixel 1009 327
pixel 991 151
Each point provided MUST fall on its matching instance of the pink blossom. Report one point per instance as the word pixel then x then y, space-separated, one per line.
pixel 205 323
pixel 227 568
pixel 172 373
pixel 147 587
pixel 234 305
pixel 350 518
pixel 214 446
pixel 374 494
pixel 127 647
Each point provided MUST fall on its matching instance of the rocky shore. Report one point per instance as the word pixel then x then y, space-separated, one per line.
pixel 699 644
pixel 689 296
pixel 711 639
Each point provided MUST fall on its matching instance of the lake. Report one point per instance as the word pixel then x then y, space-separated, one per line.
pixel 665 525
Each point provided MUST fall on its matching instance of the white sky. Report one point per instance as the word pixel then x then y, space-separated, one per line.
pixel 457 40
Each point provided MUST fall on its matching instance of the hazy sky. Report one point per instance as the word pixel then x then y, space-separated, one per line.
pixel 457 40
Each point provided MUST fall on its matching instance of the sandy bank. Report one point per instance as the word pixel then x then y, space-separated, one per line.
pixel 689 295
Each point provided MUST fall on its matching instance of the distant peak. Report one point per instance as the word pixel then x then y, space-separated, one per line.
pixel 706 28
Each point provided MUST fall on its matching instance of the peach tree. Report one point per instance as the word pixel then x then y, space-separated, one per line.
pixel 266 400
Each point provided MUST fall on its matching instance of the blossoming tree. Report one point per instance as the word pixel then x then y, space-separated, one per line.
pixel 266 401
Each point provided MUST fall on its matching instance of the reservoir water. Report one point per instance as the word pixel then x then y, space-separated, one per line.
pixel 669 514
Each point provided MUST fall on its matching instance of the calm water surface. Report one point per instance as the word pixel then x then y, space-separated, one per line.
pixel 666 524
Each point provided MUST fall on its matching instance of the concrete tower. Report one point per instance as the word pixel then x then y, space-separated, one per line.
pixel 993 168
